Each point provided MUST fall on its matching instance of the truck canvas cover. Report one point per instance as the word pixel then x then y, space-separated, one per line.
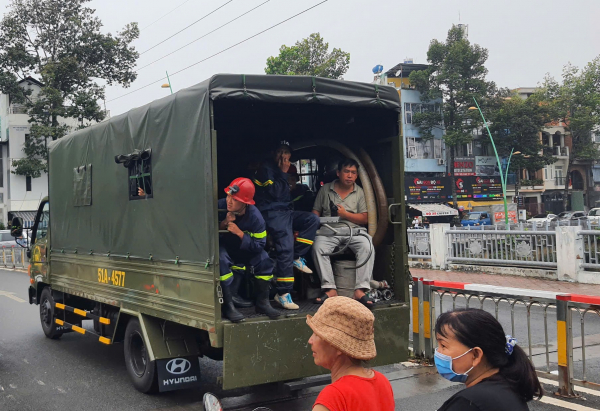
pixel 95 214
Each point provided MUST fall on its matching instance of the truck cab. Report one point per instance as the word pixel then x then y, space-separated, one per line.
pixel 476 218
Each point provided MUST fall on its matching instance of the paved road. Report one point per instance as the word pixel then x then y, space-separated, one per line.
pixel 76 372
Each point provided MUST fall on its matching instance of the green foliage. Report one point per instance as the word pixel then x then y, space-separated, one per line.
pixel 534 182
pixel 456 74
pixel 309 57
pixel 576 102
pixel 515 124
pixel 60 43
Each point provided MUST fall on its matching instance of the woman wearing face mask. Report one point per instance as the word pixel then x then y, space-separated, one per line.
pixel 473 349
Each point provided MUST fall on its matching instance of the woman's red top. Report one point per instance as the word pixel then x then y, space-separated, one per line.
pixel 354 393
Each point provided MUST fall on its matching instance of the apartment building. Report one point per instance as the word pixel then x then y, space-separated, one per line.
pixel 19 195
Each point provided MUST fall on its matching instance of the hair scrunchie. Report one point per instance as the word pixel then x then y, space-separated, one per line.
pixel 510 344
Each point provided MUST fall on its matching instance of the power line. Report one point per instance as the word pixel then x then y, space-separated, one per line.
pixel 200 38
pixel 187 27
pixel 222 51
pixel 165 15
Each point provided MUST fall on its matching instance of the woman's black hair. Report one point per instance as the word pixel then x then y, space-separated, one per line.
pixel 478 328
pixel 347 162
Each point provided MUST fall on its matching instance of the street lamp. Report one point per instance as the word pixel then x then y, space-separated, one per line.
pixel 502 176
pixel 168 85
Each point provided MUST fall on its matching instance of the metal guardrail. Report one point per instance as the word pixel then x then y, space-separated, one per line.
pixel 533 248
pixel 591 240
pixel 419 241
pixel 14 257
pixel 426 294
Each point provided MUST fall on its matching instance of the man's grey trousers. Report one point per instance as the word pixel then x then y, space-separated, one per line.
pixel 359 246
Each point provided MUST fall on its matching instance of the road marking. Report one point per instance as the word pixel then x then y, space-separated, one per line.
pixel 12 296
pixel 565 404
pixel 575 387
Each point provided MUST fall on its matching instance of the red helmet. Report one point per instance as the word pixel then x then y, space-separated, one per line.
pixel 242 189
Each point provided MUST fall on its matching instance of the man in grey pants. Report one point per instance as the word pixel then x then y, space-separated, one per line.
pixel 349 199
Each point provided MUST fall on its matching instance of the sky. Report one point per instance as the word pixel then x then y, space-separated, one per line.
pixel 525 38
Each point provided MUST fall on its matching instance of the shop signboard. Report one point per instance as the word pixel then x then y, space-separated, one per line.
pixel 464 167
pixel 427 189
pixel 486 166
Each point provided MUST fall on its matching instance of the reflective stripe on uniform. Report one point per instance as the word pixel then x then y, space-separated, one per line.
pixel 263 277
pixel 285 279
pixel 226 276
pixel 257 235
pixel 238 267
pixel 304 241
pixel 266 183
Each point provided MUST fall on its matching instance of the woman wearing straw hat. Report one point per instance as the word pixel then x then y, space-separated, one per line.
pixel 342 341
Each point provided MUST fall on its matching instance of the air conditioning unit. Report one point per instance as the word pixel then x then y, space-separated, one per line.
pixel 441 162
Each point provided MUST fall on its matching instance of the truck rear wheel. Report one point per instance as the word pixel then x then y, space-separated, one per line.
pixel 47 310
pixel 141 370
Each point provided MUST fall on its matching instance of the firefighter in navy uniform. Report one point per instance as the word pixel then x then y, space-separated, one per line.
pixel 243 248
pixel 273 199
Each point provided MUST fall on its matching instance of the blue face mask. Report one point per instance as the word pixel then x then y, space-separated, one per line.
pixel 443 363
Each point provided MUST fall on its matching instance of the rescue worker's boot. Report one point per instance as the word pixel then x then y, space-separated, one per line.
pixel 229 310
pixel 262 300
pixel 238 301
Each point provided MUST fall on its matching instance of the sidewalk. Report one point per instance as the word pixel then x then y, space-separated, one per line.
pixel 507 281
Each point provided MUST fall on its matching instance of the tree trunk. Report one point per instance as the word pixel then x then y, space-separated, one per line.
pixel 567 179
pixel 452 180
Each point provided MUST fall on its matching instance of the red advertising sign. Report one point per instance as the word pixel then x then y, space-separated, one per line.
pixel 499 216
pixel 464 166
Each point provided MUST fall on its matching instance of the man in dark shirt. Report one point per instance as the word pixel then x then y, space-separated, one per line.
pixel 274 200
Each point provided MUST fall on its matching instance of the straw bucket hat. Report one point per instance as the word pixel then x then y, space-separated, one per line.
pixel 347 325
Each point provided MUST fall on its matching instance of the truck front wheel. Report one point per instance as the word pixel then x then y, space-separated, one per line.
pixel 47 309
pixel 141 370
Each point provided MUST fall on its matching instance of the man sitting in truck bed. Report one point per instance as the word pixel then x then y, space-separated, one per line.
pixel 347 199
pixel 274 200
pixel 243 245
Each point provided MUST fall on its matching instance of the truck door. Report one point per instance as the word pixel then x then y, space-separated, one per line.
pixel 40 243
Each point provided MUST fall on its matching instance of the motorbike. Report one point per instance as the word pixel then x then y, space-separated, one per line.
pixel 212 403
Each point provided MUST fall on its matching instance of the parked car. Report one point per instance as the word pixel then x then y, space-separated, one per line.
pixel 594 216
pixel 541 219
pixel 8 241
pixel 571 215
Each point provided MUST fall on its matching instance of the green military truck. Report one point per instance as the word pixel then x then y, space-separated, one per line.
pixel 144 268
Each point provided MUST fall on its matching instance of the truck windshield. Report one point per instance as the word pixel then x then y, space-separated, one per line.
pixel 473 216
pixel 595 212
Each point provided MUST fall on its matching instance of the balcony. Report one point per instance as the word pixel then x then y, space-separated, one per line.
pixel 556 151
pixel 560 181
pixel 17 109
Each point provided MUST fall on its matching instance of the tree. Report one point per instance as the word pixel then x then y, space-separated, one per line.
pixel 576 103
pixel 60 43
pixel 456 74
pixel 309 57
pixel 515 124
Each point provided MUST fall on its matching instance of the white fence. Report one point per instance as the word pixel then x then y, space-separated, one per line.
pixel 569 252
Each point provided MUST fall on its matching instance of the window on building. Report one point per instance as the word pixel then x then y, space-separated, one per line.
pixel 408 113
pixel 28 183
pixel 1 172
pixel 545 173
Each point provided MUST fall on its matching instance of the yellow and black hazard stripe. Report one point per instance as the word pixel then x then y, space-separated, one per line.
pixel 82 313
pixel 80 330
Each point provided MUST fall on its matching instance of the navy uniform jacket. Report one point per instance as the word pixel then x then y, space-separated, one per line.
pixel 272 188
pixel 254 228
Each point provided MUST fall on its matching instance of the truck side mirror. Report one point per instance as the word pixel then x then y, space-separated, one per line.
pixel 16 227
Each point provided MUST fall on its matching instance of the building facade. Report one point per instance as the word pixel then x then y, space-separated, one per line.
pixel 19 195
